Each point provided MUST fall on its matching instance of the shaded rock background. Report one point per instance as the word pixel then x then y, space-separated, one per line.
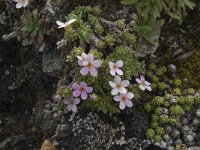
pixel 28 80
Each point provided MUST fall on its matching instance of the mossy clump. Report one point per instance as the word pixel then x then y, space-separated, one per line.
pixel 190 69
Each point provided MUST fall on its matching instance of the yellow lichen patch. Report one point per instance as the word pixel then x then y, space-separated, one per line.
pixel 47 145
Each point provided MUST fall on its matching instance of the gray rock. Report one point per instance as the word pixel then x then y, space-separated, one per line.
pixel 170 147
pixel 184 120
pixel 52 64
pixel 178 141
pixel 163 144
pixel 198 112
pixel 189 138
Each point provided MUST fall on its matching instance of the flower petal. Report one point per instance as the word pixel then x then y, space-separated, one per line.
pixel 76 93
pixel 25 3
pixel 147 83
pixel 74 108
pixel 66 101
pixel 122 90
pixel 117 98
pixel 125 83
pixel 69 107
pixel 80 57
pixel 130 95
pixel 149 88
pixel 89 89
pixel 80 63
pixel 83 84
pixel 84 95
pixel 76 101
pixel 97 63
pixel 111 64
pixel 112 72
pixel 84 71
pixel 90 57
pixel 119 63
pixel 75 86
pixel 114 91
pixel 138 80
pixel 112 84
pixel 85 62
pixel 19 5
pixel 129 103
pixel 93 72
pixel 142 78
pixel 119 71
pixel 142 87
pixel 71 21
pixel 117 79
pixel 121 105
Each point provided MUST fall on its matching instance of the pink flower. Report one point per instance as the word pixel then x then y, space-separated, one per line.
pixel 21 3
pixel 82 59
pixel 90 65
pixel 124 100
pixel 118 85
pixel 114 68
pixel 71 103
pixel 143 84
pixel 82 90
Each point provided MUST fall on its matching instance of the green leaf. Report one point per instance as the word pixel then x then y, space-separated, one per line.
pixel 128 2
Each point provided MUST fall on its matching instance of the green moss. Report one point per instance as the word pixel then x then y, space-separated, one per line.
pixel 150 133
pixel 190 69
pixel 176 110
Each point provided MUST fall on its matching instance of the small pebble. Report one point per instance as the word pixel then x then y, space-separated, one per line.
pixel 189 138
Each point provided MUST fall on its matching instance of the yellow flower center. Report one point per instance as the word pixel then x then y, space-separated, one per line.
pixel 123 98
pixel 115 67
pixel 89 65
pixel 118 86
pixel 82 89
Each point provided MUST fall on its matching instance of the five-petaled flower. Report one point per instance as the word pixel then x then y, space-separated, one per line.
pixel 82 90
pixel 89 65
pixel 143 84
pixel 118 85
pixel 71 103
pixel 62 24
pixel 21 3
pixel 124 100
pixel 115 67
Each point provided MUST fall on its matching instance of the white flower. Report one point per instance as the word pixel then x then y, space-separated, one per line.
pixel 71 103
pixel 143 84
pixel 114 67
pixel 62 25
pixel 118 85
pixel 21 3
pixel 124 100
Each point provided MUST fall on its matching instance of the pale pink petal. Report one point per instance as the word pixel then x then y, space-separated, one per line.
pixel 121 105
pixel 74 108
pixel 112 84
pixel 129 103
pixel 119 71
pixel 142 87
pixel 142 78
pixel 97 63
pixel 130 95
pixel 147 83
pixel 25 4
pixel 80 57
pixel 122 90
pixel 93 72
pixel 112 72
pixel 125 83
pixel 117 79
pixel 84 71
pixel 84 95
pixel 76 101
pixel 90 57
pixel 114 91
pixel 83 84
pixel 138 80
pixel 69 107
pixel 89 89
pixel 19 5
pixel 119 63
pixel 111 64
pixel 149 88
pixel 76 93
pixel 75 86
pixel 66 101
pixel 85 62
pixel 117 98
pixel 80 62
